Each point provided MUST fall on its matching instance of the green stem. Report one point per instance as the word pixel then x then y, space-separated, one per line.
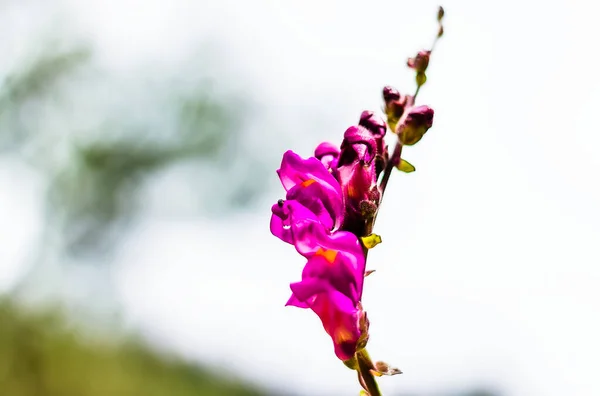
pixel 365 365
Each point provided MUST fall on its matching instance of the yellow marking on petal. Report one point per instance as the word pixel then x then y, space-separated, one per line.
pixel 327 254
pixel 342 335
pixel 352 192
pixel 307 183
pixel 371 240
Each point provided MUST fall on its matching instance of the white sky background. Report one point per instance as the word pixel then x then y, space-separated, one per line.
pixel 489 270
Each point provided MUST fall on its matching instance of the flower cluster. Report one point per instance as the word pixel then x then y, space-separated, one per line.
pixel 331 199
pixel 310 219
pixel 331 203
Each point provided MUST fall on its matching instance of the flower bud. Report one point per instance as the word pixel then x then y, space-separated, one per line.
pixel 420 61
pixel 326 148
pixel 440 14
pixel 390 93
pixel 416 124
pixel 373 123
pixel 395 104
pixel 328 154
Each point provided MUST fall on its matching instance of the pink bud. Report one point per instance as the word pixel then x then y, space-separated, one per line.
pixel 416 124
pixel 419 62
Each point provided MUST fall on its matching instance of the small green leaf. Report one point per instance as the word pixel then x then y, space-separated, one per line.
pixel 370 241
pixel 406 166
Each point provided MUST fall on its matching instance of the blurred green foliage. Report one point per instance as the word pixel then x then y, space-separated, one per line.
pixel 41 355
pixel 36 82
pixel 97 147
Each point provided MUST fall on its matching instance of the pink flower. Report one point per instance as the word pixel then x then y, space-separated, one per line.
pixel 332 279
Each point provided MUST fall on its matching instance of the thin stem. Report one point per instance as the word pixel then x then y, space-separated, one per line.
pixel 393 161
pixel 396 155
pixel 365 365
pixel 417 92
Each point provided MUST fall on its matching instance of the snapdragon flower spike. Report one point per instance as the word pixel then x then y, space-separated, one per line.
pixel 331 204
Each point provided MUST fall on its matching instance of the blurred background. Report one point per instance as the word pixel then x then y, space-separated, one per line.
pixel 138 148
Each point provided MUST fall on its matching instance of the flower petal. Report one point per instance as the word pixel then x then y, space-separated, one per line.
pixel 295 170
pixel 318 200
pixel 280 224
pixel 338 269
pixel 340 320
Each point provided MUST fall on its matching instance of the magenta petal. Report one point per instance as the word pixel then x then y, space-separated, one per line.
pixel 341 274
pixel 358 180
pixel 347 271
pixel 340 320
pixel 278 226
pixel 326 148
pixel 316 198
pixel 284 214
pixel 294 302
pixel 308 288
pixel 295 170
pixel 373 123
pixel 310 236
pixel 359 144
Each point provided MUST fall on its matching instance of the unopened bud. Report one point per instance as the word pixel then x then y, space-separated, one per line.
pixel 416 124
pixel 394 106
pixel 390 93
pixel 440 15
pixel 373 123
pixel 420 61
pixel 326 148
